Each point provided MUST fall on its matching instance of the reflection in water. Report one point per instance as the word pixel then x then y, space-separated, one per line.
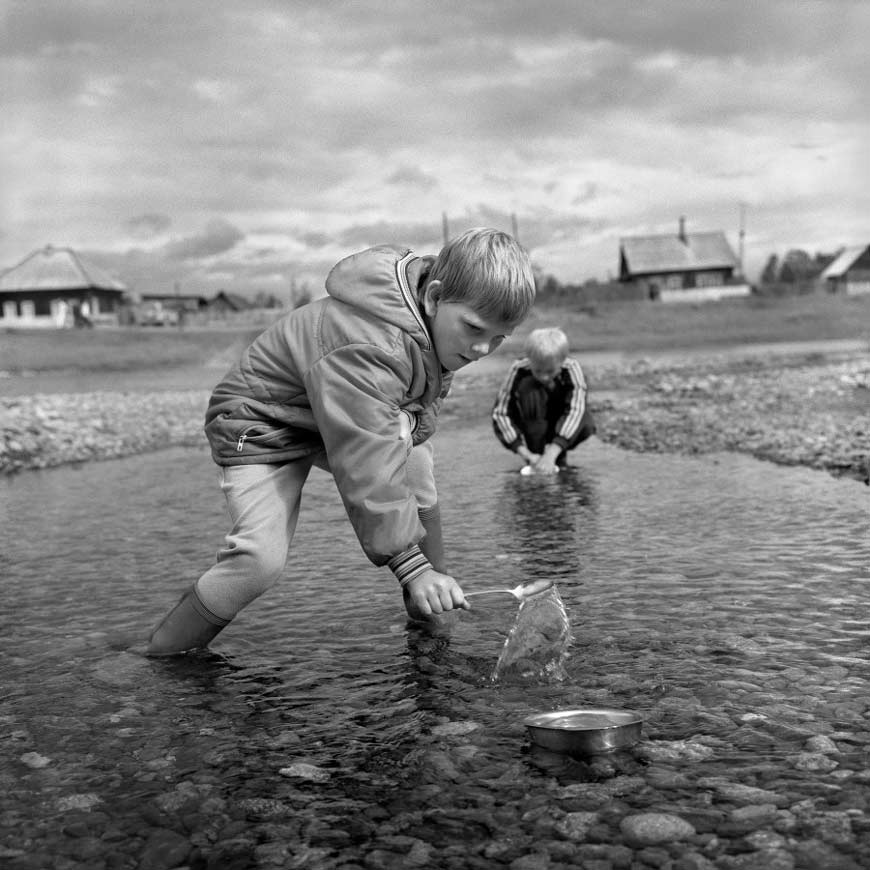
pixel 550 518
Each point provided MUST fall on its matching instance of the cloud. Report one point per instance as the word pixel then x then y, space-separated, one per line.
pixel 145 226
pixel 413 176
pixel 273 137
pixel 218 237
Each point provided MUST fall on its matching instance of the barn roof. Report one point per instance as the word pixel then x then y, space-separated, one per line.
pixel 52 268
pixel 672 253
pixel 843 261
pixel 234 301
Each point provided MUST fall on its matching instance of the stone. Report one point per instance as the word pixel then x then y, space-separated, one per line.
pixel 301 770
pixel 650 829
pixel 34 760
pixel 575 826
pixel 813 761
pixel 164 849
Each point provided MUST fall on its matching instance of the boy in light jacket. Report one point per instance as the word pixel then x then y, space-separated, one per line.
pixel 352 383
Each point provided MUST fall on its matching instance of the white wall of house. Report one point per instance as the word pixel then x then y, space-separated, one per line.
pixel 704 294
pixel 22 314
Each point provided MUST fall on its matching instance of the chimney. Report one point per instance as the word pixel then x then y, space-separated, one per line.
pixel 683 230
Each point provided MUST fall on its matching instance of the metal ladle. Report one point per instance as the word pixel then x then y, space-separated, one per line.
pixel 521 592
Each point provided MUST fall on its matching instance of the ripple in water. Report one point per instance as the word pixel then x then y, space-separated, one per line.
pixel 722 599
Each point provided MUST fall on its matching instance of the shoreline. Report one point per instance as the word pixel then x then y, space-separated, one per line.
pixel 806 406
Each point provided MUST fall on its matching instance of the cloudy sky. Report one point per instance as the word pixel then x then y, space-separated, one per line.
pixel 247 146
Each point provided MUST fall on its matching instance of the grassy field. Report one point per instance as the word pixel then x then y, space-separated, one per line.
pixel 121 349
pixel 644 326
pixel 626 327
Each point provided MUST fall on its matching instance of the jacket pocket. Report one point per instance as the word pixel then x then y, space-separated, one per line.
pixel 261 436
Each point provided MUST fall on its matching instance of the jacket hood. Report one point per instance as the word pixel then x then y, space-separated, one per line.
pixel 383 281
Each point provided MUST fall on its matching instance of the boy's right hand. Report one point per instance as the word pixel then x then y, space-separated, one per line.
pixel 433 593
pixel 529 457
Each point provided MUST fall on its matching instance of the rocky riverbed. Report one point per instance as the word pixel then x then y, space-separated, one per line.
pixel 808 408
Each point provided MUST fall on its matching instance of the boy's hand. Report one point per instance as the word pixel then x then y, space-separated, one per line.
pixel 530 458
pixel 433 593
pixel 545 466
pixel 547 463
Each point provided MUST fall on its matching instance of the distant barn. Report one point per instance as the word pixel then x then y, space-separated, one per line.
pixel 681 267
pixel 55 287
pixel 849 272
pixel 228 303
pixel 165 309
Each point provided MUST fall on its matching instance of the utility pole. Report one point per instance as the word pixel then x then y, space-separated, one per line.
pixel 445 231
pixel 514 227
pixel 741 237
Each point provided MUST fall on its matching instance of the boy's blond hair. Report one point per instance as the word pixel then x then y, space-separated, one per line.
pixel 548 344
pixel 488 270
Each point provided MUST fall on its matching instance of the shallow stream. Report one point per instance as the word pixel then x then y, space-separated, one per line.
pixel 721 598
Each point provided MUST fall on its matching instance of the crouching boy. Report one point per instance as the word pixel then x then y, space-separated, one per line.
pixel 541 412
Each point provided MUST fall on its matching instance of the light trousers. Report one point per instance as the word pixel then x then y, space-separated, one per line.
pixel 263 503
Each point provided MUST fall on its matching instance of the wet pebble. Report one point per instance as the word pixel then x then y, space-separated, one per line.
pixel 454 729
pixel 78 802
pixel 647 829
pixel 813 761
pixel 741 794
pixel 675 750
pixel 34 760
pixel 575 826
pixel 163 850
pixel 820 744
pixel 302 770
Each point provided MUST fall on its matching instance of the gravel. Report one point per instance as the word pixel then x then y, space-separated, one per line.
pixel 810 409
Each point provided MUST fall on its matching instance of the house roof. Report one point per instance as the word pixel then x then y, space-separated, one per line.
pixel 52 268
pixel 669 253
pixel 843 261
pixel 232 300
pixel 174 297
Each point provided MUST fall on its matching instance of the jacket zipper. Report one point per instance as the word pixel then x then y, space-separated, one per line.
pixel 241 442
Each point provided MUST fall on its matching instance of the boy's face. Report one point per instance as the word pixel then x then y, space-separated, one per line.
pixel 460 335
pixel 544 371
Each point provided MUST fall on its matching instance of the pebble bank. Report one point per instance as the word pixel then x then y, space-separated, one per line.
pixel 810 409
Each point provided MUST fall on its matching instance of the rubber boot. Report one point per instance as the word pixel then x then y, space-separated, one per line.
pixel 433 544
pixel 188 626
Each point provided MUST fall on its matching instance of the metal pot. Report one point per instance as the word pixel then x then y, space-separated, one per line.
pixel 584 731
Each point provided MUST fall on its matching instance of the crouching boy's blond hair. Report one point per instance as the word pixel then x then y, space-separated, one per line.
pixel 547 345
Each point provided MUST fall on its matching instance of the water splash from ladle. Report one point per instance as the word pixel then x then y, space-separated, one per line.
pixel 538 644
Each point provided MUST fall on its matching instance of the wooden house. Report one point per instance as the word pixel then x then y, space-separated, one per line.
pixel 681 267
pixel 169 309
pixel 55 287
pixel 849 272
pixel 228 303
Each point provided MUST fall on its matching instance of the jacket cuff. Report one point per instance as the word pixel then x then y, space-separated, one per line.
pixel 409 565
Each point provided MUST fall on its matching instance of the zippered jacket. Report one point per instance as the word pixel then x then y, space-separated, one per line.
pixel 355 374
pixel 563 408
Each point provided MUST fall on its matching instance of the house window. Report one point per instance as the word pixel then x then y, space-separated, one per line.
pixel 42 306
pixel 708 279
